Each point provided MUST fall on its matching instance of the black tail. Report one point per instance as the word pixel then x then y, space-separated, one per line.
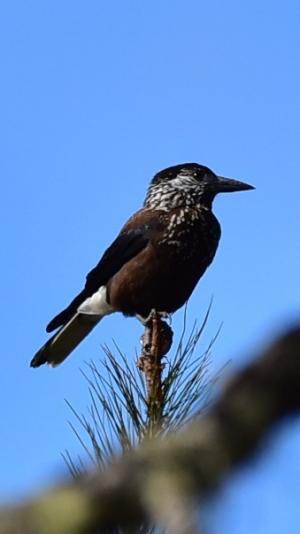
pixel 41 356
pixel 64 316
pixel 63 342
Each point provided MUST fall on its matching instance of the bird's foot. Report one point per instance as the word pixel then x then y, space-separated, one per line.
pixel 155 326
pixel 152 315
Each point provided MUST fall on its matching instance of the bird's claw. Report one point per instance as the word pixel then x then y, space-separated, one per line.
pixel 152 315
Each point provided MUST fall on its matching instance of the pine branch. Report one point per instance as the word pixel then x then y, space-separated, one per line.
pixel 160 479
pixel 156 342
pixel 131 403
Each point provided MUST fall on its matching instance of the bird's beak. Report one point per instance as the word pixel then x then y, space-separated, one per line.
pixel 227 185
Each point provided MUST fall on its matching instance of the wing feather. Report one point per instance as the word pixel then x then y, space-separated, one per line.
pixel 127 245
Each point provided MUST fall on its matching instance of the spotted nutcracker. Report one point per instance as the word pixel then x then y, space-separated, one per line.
pixel 154 263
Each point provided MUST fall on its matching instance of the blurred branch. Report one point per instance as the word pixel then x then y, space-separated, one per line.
pixel 160 479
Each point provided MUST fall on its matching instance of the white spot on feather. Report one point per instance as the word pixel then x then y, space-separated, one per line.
pixel 96 304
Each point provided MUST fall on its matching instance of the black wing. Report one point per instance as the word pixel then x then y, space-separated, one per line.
pixel 126 246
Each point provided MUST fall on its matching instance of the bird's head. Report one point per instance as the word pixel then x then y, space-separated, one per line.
pixel 188 184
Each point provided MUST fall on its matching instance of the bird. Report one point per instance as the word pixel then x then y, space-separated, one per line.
pixel 154 263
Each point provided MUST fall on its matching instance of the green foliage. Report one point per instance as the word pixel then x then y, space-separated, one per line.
pixel 118 417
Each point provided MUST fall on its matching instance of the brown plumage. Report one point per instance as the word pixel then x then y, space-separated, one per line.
pixel 154 263
pixel 164 273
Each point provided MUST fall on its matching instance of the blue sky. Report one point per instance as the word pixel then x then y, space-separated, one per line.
pixel 94 99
